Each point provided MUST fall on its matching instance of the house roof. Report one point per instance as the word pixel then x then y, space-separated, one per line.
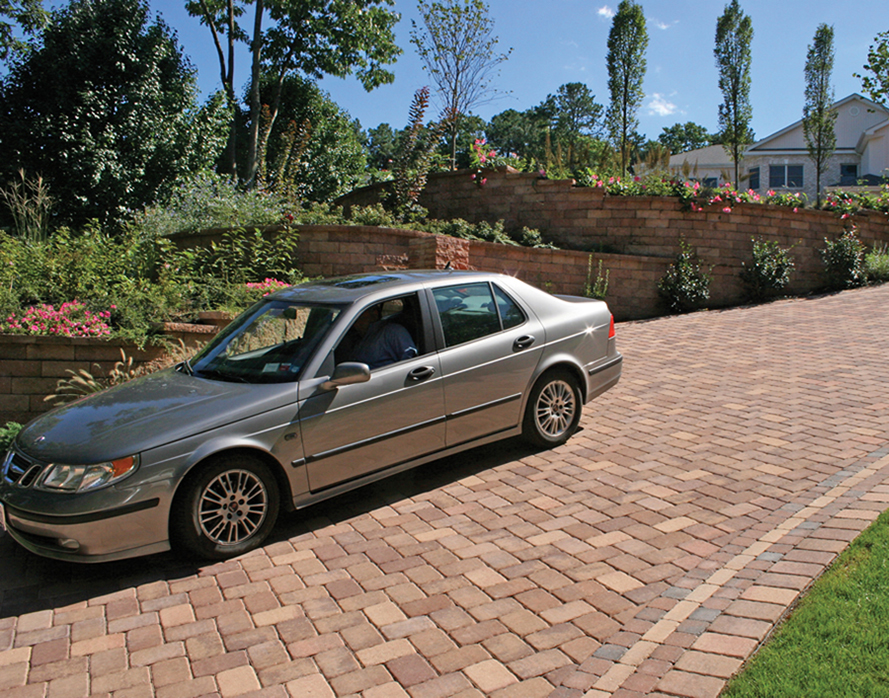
pixel 789 140
pixel 763 144
pixel 710 157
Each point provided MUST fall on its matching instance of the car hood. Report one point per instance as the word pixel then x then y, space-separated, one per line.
pixel 145 413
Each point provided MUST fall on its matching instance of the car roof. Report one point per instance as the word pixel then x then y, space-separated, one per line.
pixel 344 290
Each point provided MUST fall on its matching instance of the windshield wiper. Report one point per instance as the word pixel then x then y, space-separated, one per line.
pixel 220 375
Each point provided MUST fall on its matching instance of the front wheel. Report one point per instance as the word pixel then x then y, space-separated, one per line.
pixel 553 409
pixel 227 508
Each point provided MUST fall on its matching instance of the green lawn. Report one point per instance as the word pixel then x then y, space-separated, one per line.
pixel 836 642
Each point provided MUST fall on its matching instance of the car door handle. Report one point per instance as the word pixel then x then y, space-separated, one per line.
pixel 421 373
pixel 523 342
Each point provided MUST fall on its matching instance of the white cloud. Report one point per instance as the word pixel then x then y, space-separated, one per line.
pixel 659 105
pixel 606 12
pixel 663 25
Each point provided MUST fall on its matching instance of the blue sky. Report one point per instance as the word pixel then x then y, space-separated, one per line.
pixel 561 41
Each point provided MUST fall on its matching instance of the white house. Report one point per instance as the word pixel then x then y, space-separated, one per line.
pixel 781 162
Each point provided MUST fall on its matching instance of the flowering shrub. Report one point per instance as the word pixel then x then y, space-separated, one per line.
pixel 844 261
pixel 768 272
pixel 849 203
pixel 690 192
pixel 686 284
pixel 479 156
pixel 267 286
pixel 71 319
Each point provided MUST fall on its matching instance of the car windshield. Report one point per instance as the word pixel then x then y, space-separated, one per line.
pixel 270 343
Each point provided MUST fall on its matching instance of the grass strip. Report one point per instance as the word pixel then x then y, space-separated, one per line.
pixel 836 641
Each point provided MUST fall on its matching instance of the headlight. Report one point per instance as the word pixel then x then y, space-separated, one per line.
pixel 83 478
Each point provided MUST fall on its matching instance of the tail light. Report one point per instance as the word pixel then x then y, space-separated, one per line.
pixel 611 333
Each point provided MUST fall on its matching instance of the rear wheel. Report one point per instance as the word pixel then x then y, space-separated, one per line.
pixel 227 508
pixel 553 409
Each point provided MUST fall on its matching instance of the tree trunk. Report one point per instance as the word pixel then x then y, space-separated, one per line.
pixel 255 103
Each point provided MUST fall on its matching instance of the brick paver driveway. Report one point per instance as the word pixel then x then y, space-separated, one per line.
pixel 650 555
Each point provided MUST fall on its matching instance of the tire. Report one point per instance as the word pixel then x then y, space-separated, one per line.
pixel 226 509
pixel 553 409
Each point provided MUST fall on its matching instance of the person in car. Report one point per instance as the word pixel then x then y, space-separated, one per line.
pixel 377 342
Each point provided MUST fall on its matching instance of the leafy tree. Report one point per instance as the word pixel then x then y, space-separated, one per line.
pixel 315 151
pixel 469 129
pixel 28 15
pixel 308 37
pixel 734 33
pixel 627 42
pixel 680 138
pixel 877 85
pixel 819 119
pixel 382 144
pixel 458 50
pixel 103 108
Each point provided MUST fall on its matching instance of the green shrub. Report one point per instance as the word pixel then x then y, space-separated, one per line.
pixel 686 284
pixel 768 273
pixel 141 279
pixel 844 261
pixel 876 264
pixel 207 200
pixel 8 432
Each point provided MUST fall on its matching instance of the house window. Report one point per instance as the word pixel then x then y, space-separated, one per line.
pixel 753 178
pixel 848 175
pixel 711 182
pixel 785 176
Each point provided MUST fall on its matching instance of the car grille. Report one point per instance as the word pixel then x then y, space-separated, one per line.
pixel 19 470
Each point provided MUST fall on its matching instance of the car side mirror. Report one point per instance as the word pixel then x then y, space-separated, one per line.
pixel 347 373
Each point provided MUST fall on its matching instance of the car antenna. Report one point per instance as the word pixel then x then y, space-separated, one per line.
pixel 448 266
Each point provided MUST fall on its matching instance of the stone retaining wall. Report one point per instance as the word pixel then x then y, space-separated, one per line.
pixel 641 236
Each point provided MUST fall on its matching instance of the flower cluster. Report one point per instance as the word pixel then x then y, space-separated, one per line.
pixel 267 286
pixel 847 203
pixel 480 158
pixel 71 319
pixel 691 192
pixel 648 185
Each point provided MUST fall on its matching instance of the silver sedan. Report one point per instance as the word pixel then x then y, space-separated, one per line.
pixel 317 389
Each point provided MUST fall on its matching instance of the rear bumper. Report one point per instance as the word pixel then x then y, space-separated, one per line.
pixel 602 376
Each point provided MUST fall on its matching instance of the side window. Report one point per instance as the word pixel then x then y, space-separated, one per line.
pixel 470 311
pixel 510 313
pixel 384 333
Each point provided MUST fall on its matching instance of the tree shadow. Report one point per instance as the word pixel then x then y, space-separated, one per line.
pixel 30 583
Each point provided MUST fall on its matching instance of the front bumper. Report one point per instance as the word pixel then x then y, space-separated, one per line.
pixel 107 535
pixel 119 521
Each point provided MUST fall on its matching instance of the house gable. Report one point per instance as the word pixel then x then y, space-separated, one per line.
pixel 855 115
pixel 781 160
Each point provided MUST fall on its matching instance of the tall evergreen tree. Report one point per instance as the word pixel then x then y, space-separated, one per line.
pixel 627 42
pixel 734 33
pixel 819 119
